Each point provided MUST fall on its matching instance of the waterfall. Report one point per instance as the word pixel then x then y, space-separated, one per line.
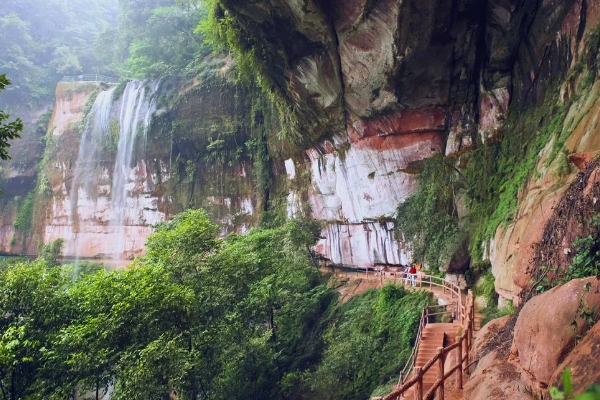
pixel 100 207
pixel 135 109
pixel 87 167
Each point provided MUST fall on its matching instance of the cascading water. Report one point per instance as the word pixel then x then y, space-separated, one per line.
pixel 88 166
pixel 101 208
pixel 135 108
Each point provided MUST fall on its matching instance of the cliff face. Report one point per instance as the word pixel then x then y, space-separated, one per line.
pixel 378 86
pixel 18 175
pixel 375 88
pixel 419 78
pixel 103 201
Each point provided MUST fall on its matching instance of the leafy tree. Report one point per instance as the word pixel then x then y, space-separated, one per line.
pixel 44 39
pixel 128 332
pixel 244 316
pixel 369 342
pixel 51 252
pixel 8 130
pixel 182 243
pixel 429 218
pixel 33 309
pixel 154 39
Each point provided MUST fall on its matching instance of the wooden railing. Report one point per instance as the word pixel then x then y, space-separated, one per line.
pixel 460 350
pixel 463 313
pixel 448 289
pixel 426 314
pixel 89 78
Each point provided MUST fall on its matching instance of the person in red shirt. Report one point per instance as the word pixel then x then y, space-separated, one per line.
pixel 412 271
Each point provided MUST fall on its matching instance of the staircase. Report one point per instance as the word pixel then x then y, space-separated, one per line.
pixel 426 366
pixel 431 339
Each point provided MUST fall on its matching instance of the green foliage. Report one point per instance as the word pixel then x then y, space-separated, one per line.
pixel 253 62
pixel 429 219
pixel 159 40
pixel 487 288
pixel 494 176
pixel 182 242
pixel 33 309
pixel 8 130
pixel 592 393
pixel 51 252
pixel 45 39
pixel 244 316
pixel 369 343
pixel 24 219
pixel 493 311
pixel 497 172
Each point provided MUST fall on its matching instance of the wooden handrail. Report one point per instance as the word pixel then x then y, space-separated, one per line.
pixel 413 355
pixel 89 78
pixel 464 314
pixel 461 347
pixel 437 281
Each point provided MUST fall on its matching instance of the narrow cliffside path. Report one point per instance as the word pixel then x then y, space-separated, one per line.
pixel 350 284
pixel 435 335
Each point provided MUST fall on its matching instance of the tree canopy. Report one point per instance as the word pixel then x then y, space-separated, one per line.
pixel 45 39
pixel 8 130
pixel 240 317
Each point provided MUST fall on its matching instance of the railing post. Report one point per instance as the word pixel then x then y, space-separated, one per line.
pixel 459 378
pixel 418 384
pixel 467 345
pixel 441 357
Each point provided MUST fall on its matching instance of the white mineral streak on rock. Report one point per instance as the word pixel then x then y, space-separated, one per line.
pixel 294 205
pixel 367 184
pixel 493 108
pixel 354 190
pixel 246 206
pixel 290 168
pixel 361 245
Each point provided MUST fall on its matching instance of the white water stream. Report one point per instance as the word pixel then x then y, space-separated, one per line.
pixel 112 208
pixel 134 120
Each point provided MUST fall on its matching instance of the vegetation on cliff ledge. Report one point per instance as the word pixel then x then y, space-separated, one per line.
pixel 487 182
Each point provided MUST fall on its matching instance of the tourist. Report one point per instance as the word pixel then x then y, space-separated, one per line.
pixel 413 275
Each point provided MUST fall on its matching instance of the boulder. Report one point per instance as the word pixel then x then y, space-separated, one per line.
pixel 549 324
pixel 583 361
pixel 498 380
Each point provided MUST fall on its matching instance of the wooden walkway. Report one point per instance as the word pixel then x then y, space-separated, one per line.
pixel 433 338
pixel 441 355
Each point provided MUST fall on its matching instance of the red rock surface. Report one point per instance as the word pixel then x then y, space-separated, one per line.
pixel 581 159
pixel 499 380
pixel 400 123
pixel 487 333
pixel 549 324
pixel 583 362
pixel 431 139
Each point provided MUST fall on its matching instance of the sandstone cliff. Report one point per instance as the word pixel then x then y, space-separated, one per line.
pixel 171 168
pixel 370 89
pixel 398 82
